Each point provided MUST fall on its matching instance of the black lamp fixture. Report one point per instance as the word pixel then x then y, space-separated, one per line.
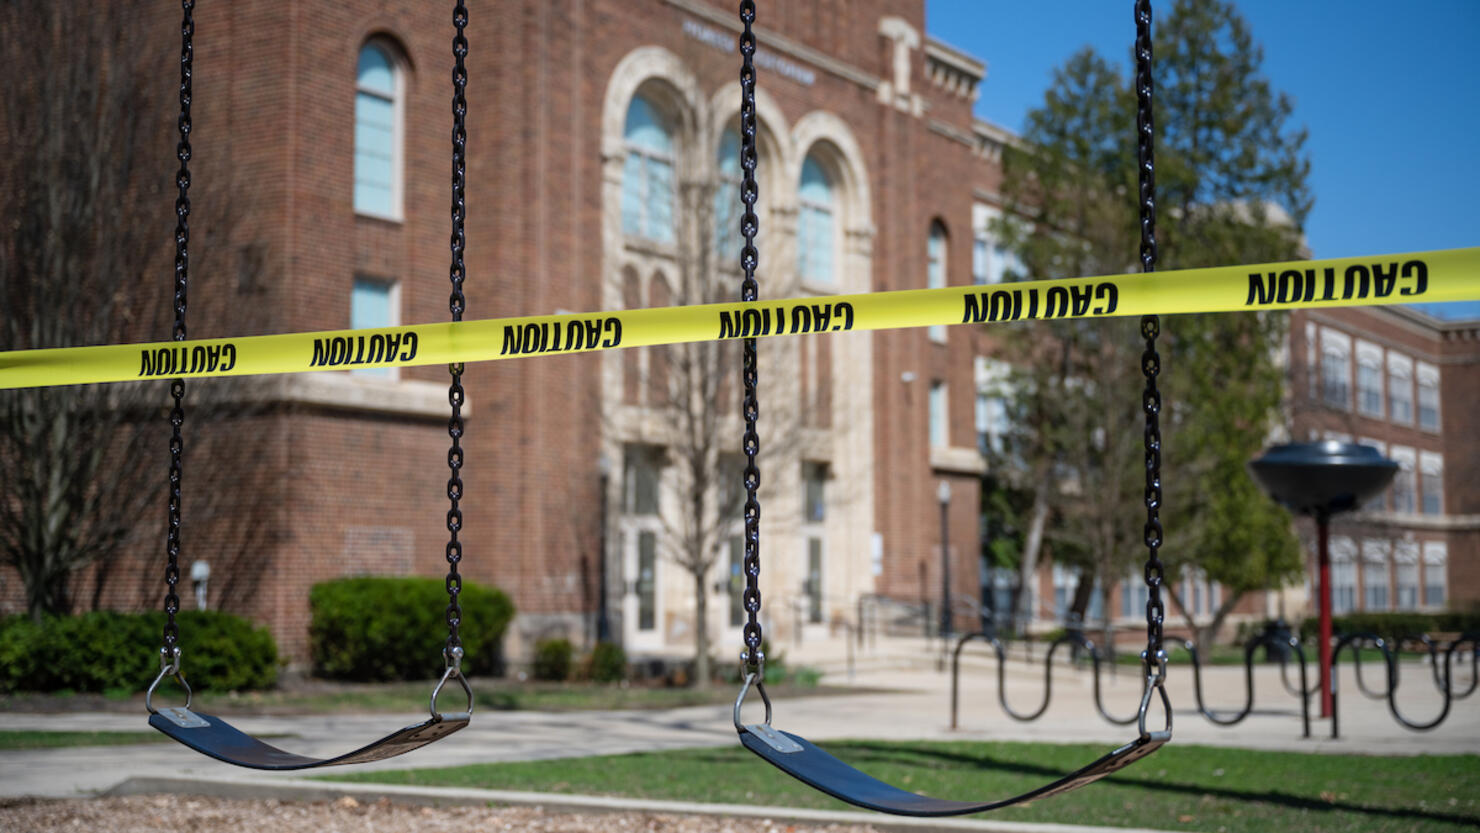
pixel 1320 480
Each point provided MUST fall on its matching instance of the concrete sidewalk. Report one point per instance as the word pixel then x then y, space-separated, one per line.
pixel 915 707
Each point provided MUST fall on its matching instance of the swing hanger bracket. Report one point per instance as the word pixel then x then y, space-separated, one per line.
pixel 1156 677
pixel 454 657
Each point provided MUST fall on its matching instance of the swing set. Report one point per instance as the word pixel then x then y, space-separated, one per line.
pixel 789 752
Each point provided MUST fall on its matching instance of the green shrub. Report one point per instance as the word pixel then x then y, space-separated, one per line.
pixel 377 629
pixel 608 663
pixel 105 651
pixel 552 659
pixel 1395 626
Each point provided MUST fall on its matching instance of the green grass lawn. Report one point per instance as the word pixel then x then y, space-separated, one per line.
pixel 318 697
pixel 10 739
pixel 1178 788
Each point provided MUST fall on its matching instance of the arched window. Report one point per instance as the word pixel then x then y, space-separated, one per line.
pixel 378 133
pixel 817 224
pixel 647 177
pixel 935 271
pixel 727 207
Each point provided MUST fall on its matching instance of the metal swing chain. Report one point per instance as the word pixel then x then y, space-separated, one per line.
pixel 1155 656
pixel 170 650
pixel 751 658
pixel 456 304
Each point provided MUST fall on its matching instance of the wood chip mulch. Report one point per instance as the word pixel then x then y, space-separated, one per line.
pixel 153 814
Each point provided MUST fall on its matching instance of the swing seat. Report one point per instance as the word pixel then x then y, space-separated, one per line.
pixel 821 771
pixel 805 761
pixel 210 735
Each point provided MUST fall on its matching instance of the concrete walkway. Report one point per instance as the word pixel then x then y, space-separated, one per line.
pixel 916 707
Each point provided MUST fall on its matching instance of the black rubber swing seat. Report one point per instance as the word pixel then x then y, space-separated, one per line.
pixel 213 736
pixel 210 735
pixel 806 762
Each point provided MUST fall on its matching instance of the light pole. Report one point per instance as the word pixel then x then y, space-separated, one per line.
pixel 1320 480
pixel 603 620
pixel 944 495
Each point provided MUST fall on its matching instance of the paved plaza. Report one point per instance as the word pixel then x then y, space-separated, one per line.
pixel 904 703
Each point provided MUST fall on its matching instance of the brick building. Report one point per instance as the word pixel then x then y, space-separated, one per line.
pixel 602 174
pixel 1404 382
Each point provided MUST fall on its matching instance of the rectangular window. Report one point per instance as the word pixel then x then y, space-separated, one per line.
pixel 814 580
pixel 1064 579
pixel 647 580
pixel 1435 578
pixel 1405 485
pixel 1336 369
pixel 1343 574
pixel 1369 379
pixel 1431 483
pixel 1400 388
pixel 374 303
pixel 1405 566
pixel 640 475
pixel 1379 502
pixel 736 581
pixel 981 258
pixel 939 429
pixel 1428 397
pixel 1133 597
pixel 814 497
pixel 1375 574
pixel 1312 353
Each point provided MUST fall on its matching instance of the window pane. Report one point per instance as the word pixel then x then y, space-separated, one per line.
pixel 814 481
pixel 1432 489
pixel 727 197
pixel 1369 384
pixel 633 191
pixel 375 147
pixel 646 128
pixel 647 580
pixel 1428 407
pixel 814 580
pixel 816 237
pixel 640 487
pixel 370 306
pixel 660 200
pixel 375 72
pixel 1334 373
pixel 937 415
pixel 737 581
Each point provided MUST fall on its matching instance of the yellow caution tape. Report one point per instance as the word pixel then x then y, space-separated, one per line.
pixel 1447 275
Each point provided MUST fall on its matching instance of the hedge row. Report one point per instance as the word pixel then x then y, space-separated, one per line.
pixel 119 652
pixel 1395 626
pixel 375 629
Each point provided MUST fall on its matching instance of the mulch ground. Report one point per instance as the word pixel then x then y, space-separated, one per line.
pixel 153 814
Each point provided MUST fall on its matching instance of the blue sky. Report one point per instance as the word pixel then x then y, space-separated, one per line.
pixel 1390 93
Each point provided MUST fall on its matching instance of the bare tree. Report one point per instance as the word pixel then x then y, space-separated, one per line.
pixel 85 197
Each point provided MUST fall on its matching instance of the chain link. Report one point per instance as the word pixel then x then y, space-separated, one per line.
pixel 1150 328
pixel 169 651
pixel 456 304
pixel 751 657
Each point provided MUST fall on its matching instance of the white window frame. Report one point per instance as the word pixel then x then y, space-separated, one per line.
pixel 1427 377
pixel 393 300
pixel 1435 563
pixel 939 414
pixel 1343 574
pixel 937 275
pixel 1407 460
pixel 1369 357
pixel 1312 361
pixel 646 155
pixel 398 129
pixel 1336 345
pixel 1405 571
pixel 1379 502
pixel 809 282
pixel 1375 554
pixel 1430 465
pixel 1400 380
